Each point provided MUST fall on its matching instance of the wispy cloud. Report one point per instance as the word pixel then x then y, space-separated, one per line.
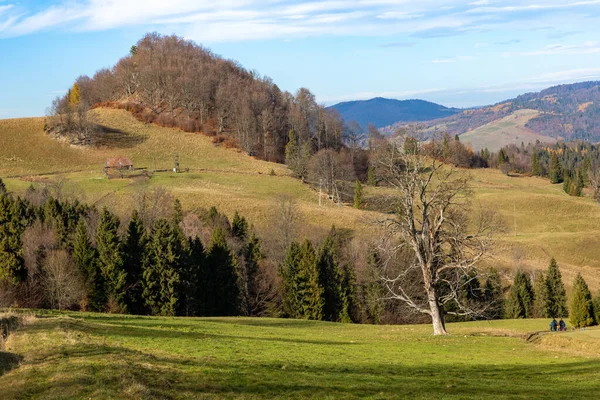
pixel 451 60
pixel 591 47
pixel 237 20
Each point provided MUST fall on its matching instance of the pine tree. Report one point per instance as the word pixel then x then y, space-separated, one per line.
pixel 536 167
pixel 582 306
pixel 110 258
pixel 85 258
pixel 371 176
pixel 134 253
pixel 556 295
pixel 556 173
pixel 239 227
pixel 520 300
pixel 540 291
pixel 502 157
pixel 357 194
pixel 2 187
pixel 223 295
pixel 162 289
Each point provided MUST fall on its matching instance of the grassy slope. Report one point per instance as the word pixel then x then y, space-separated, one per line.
pixel 102 356
pixel 510 129
pixel 549 222
pixel 221 177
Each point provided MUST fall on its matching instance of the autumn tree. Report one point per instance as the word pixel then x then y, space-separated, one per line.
pixel 433 224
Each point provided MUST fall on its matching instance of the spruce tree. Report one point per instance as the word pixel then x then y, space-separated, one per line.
pixel 556 295
pixel 162 289
pixel 195 280
pixel 85 258
pixel 357 194
pixel 110 258
pixel 520 300
pixel 567 185
pixel 536 167
pixel 330 278
pixel 252 255
pixel 134 253
pixel 239 227
pixel 371 176
pixel 372 288
pixel 556 173
pixel 289 272
pixel 493 295
pixel 12 225
pixel 596 302
pixel 223 295
pixel 540 291
pixel 582 306
pixel 309 290
pixel 177 212
pixel 2 187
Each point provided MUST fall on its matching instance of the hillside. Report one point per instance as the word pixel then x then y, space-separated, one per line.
pixel 510 129
pixel 383 112
pixel 567 112
pixel 104 356
pixel 549 222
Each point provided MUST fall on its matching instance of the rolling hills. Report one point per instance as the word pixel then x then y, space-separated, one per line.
pixel 102 356
pixel 549 222
pixel 563 112
pixel 383 112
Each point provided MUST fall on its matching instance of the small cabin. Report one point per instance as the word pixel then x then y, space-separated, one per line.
pixel 119 163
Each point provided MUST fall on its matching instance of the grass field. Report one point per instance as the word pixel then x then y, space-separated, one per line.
pixel 549 222
pixel 499 133
pixel 108 356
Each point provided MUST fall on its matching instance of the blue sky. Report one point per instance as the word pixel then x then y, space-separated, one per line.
pixel 458 53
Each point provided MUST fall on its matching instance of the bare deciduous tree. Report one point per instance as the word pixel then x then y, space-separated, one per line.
pixel 433 228
pixel 64 286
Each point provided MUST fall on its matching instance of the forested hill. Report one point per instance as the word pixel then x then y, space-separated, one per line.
pixel 177 83
pixel 566 112
pixel 383 112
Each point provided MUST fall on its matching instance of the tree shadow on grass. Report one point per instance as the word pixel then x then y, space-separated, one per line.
pixel 115 138
pixel 182 377
pixel 8 361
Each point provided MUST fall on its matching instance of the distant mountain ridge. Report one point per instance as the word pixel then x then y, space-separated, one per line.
pixel 568 112
pixel 384 112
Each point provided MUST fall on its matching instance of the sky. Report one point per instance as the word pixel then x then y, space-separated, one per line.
pixel 457 53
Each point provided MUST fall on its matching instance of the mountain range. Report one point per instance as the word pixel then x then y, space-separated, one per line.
pixel 563 112
pixel 383 112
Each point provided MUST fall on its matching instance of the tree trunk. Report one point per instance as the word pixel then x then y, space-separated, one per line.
pixel 437 314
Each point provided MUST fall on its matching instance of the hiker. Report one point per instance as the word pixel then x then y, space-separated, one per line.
pixel 562 326
pixel 553 325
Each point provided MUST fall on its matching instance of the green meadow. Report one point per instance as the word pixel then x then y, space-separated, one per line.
pixel 56 356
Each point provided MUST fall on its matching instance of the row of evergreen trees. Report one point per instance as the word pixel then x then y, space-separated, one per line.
pixel 546 297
